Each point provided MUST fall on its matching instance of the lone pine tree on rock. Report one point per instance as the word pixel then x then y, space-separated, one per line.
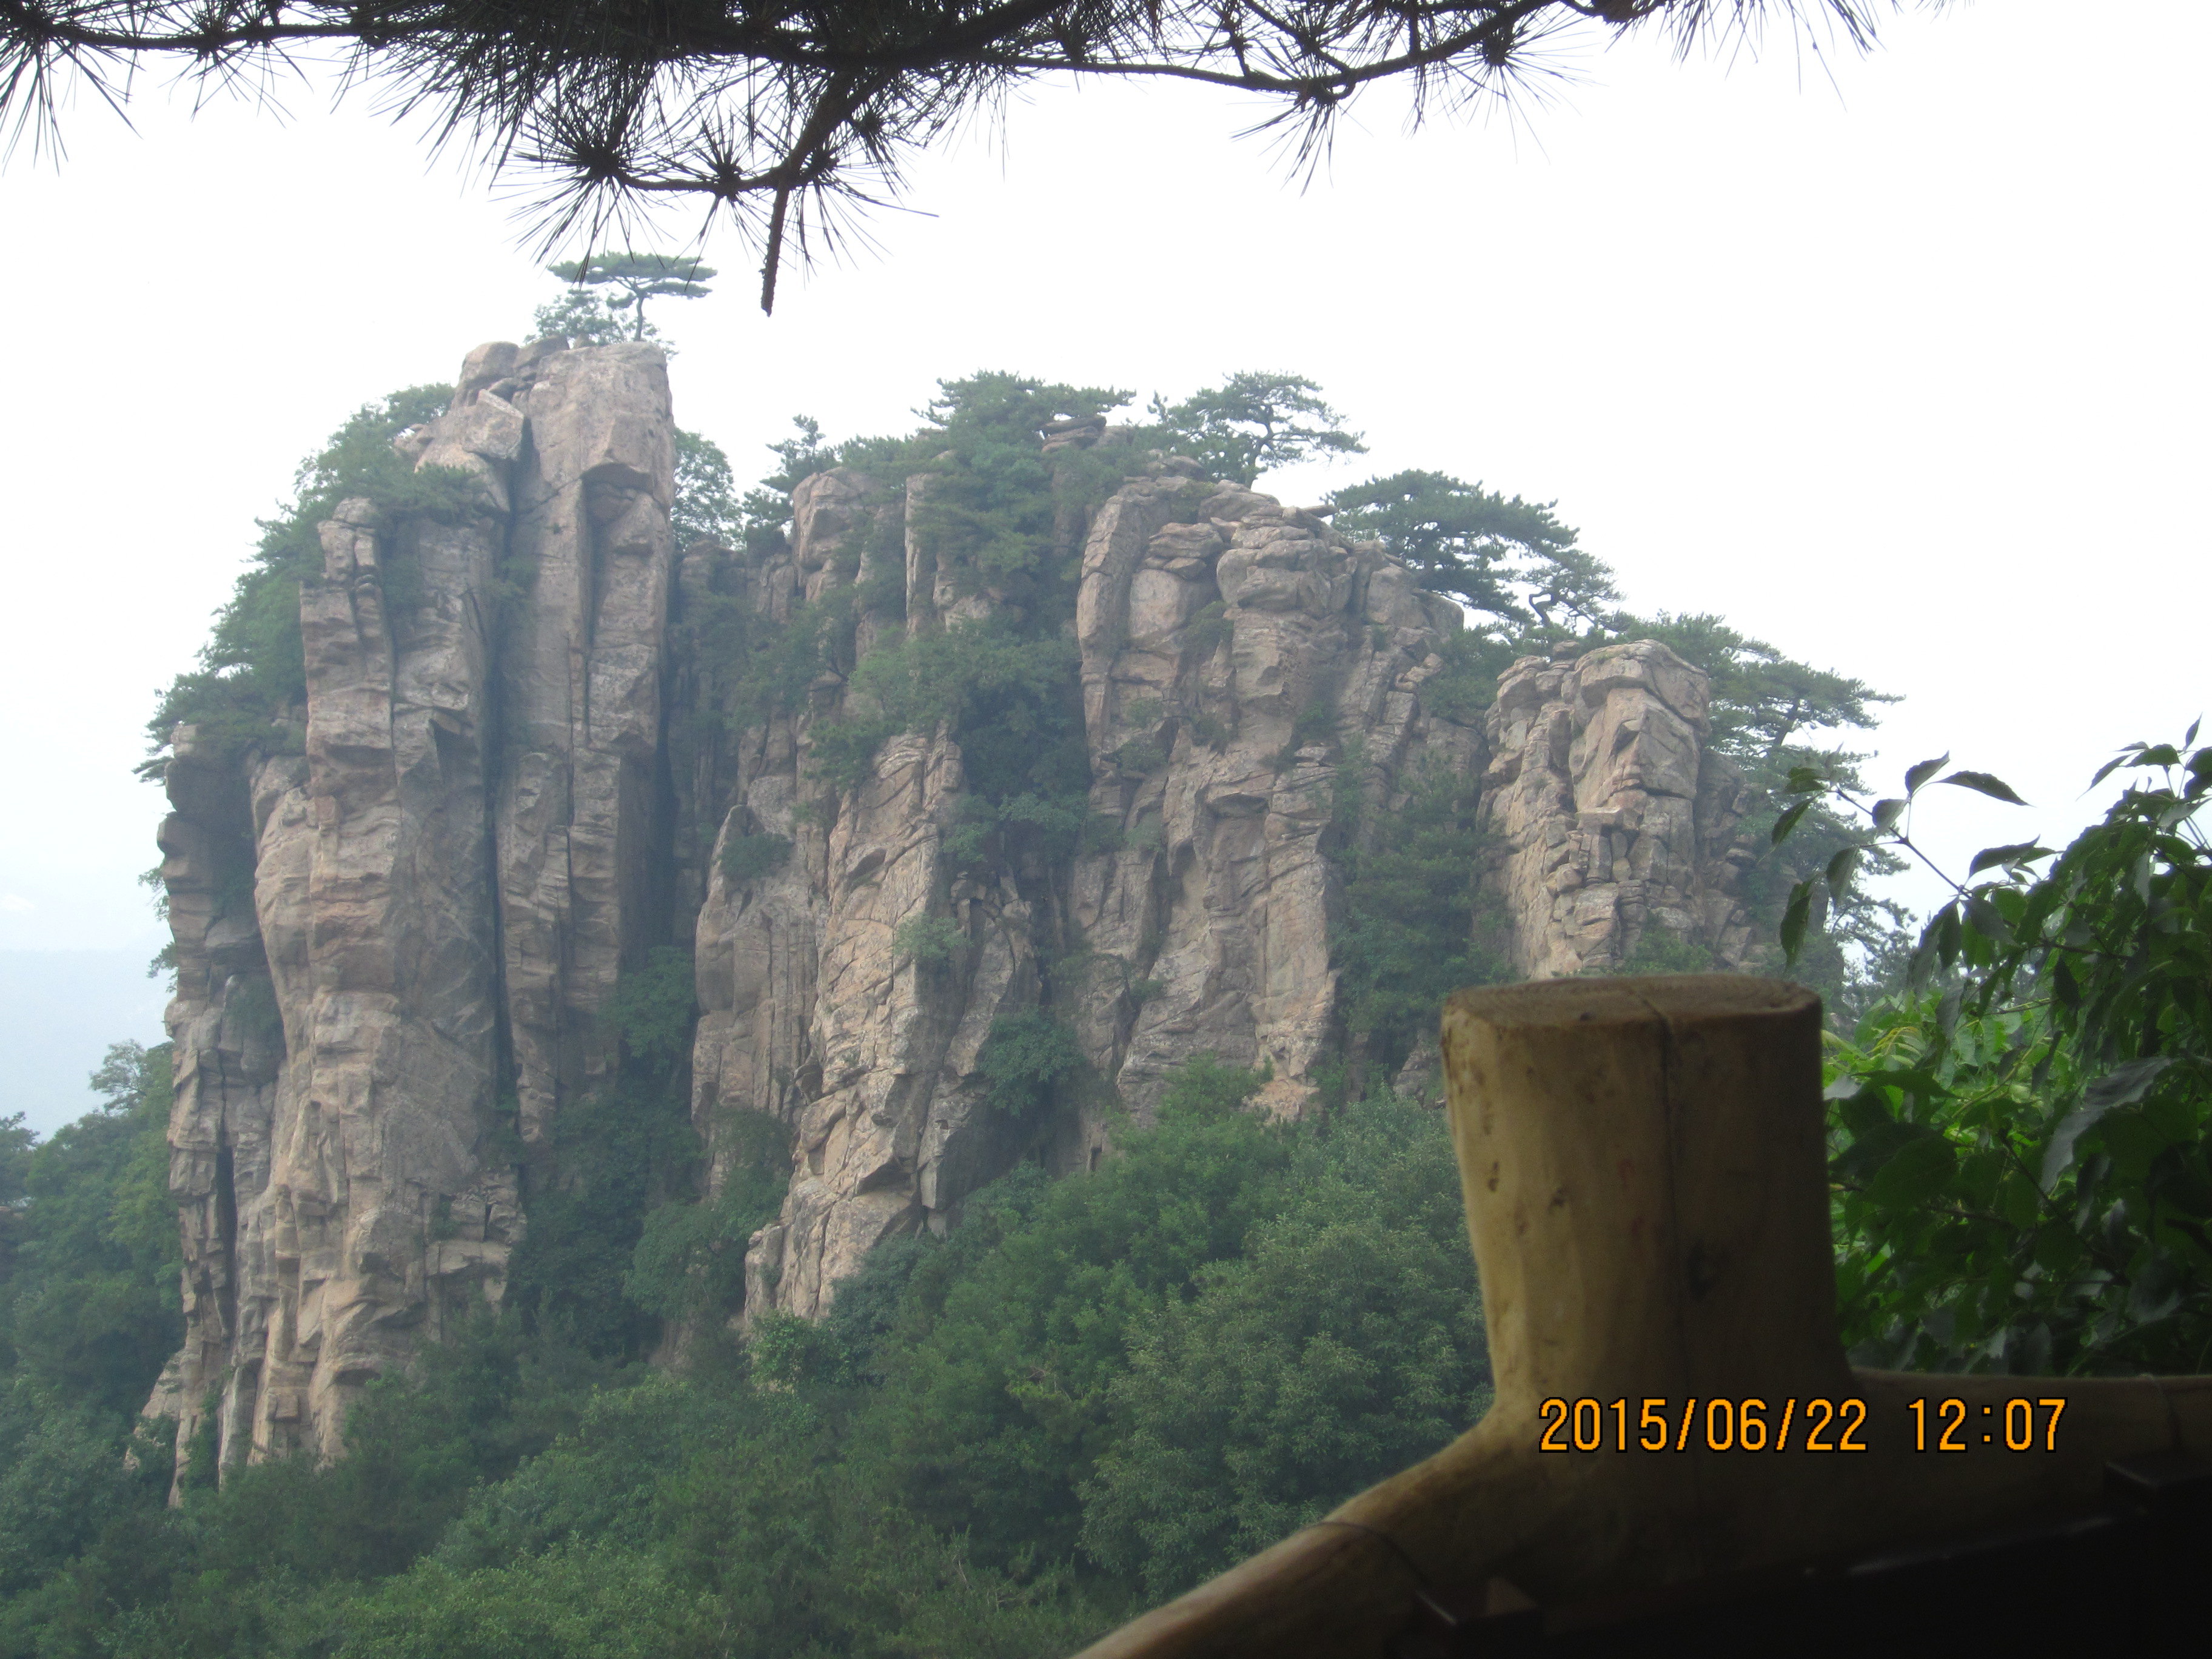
pixel 604 286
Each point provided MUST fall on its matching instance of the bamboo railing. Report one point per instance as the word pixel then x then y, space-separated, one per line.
pixel 1644 1166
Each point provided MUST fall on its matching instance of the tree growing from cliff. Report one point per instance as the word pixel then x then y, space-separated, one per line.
pixel 707 509
pixel 253 670
pixel 1253 423
pixel 607 292
pixel 1511 559
pixel 783 120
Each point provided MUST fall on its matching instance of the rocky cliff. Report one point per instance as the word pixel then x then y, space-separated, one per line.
pixel 533 749
pixel 391 945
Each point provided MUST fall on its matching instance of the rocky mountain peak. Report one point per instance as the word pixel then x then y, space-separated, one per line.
pixel 543 748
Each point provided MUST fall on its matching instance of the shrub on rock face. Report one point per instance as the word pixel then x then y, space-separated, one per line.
pixel 748 858
pixel 652 1007
pixel 1025 1059
pixel 928 941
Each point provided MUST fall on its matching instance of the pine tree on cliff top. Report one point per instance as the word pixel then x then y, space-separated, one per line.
pixel 636 277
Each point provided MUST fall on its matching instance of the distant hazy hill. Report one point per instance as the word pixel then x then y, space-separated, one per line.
pixel 58 1012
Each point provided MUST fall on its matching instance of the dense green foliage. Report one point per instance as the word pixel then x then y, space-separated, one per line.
pixel 748 858
pixel 995 513
pixel 89 1304
pixel 252 674
pixel 1027 1059
pixel 1090 1394
pixel 617 1234
pixel 707 507
pixel 1409 937
pixel 2023 1135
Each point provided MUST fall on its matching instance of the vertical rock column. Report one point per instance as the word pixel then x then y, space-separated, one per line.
pixel 347 1208
pixel 385 1219
pixel 580 870
pixel 1612 814
pixel 1221 748
pixel 810 1011
pixel 468 842
pixel 228 1060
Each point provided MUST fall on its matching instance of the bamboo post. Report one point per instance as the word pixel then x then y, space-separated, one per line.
pixel 1644 1166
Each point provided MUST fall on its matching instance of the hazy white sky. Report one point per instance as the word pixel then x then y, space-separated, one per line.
pixel 1898 362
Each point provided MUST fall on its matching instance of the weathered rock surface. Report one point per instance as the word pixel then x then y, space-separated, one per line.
pixel 1218 902
pixel 380 938
pixel 536 745
pixel 811 1009
pixel 1613 817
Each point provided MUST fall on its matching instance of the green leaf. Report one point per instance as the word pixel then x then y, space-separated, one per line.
pixel 1788 821
pixel 2065 987
pixel 2125 758
pixel 1920 1169
pixel 1794 919
pixel 1949 932
pixel 1946 1010
pixel 2019 1202
pixel 2021 852
pixel 1917 776
pixel 2158 1289
pixel 1985 920
pixel 1842 867
pixel 1804 780
pixel 1887 813
pixel 1982 783
pixel 1921 965
pixel 2122 1086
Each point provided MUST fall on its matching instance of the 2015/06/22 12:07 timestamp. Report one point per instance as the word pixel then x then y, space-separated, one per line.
pixel 1814 1425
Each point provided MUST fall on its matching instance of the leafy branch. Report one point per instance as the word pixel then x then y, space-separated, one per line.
pixel 1890 821
pixel 2022 1159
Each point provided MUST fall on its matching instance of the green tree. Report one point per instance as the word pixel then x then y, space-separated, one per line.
pixel 582 316
pixel 89 1307
pixel 1253 423
pixel 1507 558
pixel 1029 1058
pixel 622 283
pixel 252 671
pixel 1344 1343
pixel 995 1402
pixel 1407 939
pixel 609 1240
pixel 707 507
